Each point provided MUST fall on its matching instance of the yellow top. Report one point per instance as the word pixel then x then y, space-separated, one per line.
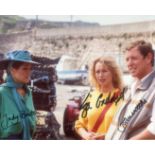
pixel 92 108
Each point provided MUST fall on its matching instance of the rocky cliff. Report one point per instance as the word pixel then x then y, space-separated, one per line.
pixel 78 41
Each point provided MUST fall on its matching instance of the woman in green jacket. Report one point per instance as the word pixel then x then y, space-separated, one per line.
pixel 17 113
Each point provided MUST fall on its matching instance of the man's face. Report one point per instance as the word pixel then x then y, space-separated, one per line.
pixel 138 66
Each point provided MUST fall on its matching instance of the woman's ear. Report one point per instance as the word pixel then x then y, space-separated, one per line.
pixel 12 70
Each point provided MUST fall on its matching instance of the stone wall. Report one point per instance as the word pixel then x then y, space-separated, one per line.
pixel 81 42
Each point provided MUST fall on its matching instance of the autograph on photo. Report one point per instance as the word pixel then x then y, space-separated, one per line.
pixel 86 105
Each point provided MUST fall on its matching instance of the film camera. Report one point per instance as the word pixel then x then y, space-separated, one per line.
pixel 44 97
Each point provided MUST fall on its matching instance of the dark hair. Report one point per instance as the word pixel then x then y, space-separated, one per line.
pixel 144 47
pixel 17 64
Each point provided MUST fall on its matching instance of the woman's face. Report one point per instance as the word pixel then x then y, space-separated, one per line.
pixel 103 75
pixel 22 74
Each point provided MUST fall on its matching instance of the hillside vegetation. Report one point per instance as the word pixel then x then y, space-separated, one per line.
pixel 85 42
pixel 8 22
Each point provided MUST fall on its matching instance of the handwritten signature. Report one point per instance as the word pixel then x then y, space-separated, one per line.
pixel 86 105
pixel 11 120
pixel 126 120
pixel 7 121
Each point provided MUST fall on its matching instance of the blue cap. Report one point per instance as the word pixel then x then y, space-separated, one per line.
pixel 19 56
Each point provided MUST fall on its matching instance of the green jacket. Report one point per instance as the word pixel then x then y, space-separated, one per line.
pixel 10 119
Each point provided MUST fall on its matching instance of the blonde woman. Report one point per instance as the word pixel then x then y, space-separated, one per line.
pixel 100 104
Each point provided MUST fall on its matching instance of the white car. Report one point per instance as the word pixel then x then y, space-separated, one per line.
pixel 68 71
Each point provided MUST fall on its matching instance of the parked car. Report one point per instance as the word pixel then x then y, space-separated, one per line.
pixel 71 113
pixel 68 71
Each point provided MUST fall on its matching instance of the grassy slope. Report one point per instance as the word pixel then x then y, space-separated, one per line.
pixel 8 22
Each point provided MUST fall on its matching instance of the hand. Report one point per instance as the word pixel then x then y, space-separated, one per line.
pixel 93 136
pixel 89 136
pixel 99 136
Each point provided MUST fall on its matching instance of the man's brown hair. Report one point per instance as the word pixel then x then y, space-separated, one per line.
pixel 144 47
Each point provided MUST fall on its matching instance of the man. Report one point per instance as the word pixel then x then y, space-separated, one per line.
pixel 135 119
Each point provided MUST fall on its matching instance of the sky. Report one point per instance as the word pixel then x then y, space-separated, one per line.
pixel 101 19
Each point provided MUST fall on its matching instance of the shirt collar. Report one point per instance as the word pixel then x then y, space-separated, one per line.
pixel 145 82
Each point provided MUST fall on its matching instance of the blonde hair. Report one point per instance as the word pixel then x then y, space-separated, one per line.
pixel 112 66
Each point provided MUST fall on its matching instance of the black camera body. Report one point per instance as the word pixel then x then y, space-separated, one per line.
pixel 42 83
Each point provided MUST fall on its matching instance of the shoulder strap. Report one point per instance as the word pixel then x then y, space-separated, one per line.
pixel 102 115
